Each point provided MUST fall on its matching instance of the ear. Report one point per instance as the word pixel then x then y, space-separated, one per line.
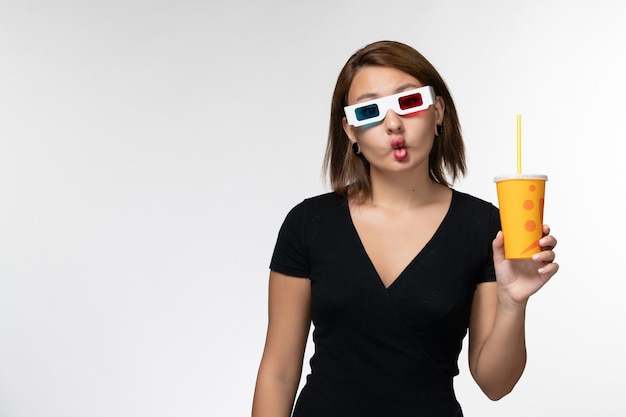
pixel 349 130
pixel 440 108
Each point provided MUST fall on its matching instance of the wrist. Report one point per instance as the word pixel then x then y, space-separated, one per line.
pixel 510 305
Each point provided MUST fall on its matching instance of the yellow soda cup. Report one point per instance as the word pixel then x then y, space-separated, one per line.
pixel 521 201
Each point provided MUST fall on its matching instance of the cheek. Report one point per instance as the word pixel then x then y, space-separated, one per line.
pixel 371 138
pixel 417 113
pixel 365 127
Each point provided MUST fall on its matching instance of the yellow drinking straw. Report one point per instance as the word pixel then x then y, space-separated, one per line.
pixel 519 143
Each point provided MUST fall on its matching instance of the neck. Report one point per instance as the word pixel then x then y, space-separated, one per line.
pixel 400 190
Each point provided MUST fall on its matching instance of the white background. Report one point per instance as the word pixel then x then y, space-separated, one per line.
pixel 149 151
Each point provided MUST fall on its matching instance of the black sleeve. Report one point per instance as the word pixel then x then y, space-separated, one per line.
pixel 487 272
pixel 290 255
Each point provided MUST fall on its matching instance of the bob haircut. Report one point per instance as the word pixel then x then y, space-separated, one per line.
pixel 349 174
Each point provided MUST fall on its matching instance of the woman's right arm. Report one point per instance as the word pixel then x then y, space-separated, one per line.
pixel 287 332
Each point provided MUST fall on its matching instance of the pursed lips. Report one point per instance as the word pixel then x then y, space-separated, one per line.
pixel 399 148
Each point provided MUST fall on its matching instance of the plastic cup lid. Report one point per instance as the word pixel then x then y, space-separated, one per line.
pixel 521 177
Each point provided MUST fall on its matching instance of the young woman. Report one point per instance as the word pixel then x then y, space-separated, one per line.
pixel 394 266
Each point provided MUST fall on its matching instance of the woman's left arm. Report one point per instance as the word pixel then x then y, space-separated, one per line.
pixel 497 342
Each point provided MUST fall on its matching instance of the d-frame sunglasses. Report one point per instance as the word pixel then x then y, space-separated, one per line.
pixel 374 111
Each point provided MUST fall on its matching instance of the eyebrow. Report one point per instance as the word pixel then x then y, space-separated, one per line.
pixel 371 96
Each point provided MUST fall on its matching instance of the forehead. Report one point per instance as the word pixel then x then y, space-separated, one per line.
pixel 379 82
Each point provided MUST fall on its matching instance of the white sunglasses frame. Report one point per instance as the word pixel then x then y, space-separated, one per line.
pixel 389 103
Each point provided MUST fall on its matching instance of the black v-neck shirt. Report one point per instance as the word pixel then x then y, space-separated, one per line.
pixel 385 351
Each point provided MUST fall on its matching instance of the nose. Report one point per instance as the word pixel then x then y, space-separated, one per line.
pixel 393 122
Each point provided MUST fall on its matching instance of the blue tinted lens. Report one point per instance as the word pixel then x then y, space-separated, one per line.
pixel 366 112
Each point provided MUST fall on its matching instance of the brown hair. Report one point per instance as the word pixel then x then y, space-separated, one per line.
pixel 349 173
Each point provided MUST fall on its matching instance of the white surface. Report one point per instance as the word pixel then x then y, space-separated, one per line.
pixel 140 204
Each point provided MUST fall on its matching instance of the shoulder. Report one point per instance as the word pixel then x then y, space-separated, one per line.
pixel 468 203
pixel 468 200
pixel 330 199
pixel 301 231
pixel 474 212
pixel 319 206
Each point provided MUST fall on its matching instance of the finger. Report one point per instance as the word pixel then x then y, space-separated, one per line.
pixel 546 230
pixel 546 256
pixel 547 242
pixel 549 270
pixel 498 246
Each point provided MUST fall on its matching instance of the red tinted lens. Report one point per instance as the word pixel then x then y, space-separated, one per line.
pixel 410 101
